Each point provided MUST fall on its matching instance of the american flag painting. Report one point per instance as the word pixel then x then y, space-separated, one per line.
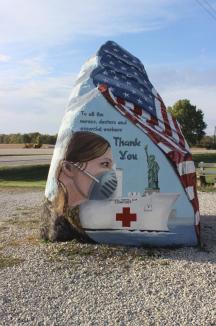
pixel 123 81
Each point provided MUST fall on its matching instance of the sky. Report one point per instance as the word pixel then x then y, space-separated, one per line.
pixel 43 44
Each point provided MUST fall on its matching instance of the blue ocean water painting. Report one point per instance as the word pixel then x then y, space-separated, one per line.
pixel 176 236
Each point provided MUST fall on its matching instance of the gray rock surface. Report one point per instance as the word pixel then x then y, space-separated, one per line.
pixel 79 284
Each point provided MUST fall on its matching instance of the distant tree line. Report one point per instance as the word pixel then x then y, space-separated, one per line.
pixel 28 138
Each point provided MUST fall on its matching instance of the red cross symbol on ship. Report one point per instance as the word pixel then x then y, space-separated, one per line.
pixel 126 217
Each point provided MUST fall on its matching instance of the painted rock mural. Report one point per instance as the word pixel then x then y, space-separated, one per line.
pixel 121 171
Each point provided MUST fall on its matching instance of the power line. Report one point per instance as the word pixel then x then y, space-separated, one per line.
pixel 207 7
pixel 210 10
pixel 210 6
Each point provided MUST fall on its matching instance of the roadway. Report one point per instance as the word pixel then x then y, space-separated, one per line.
pixel 18 157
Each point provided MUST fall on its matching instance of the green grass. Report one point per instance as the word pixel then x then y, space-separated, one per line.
pixel 205 157
pixel 210 178
pixel 23 184
pixel 35 176
pixel 24 176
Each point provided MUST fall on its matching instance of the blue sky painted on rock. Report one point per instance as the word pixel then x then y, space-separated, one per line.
pixel 44 43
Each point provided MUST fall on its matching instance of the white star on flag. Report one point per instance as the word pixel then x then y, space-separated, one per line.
pixel 144 107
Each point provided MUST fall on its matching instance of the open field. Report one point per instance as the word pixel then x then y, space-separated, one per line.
pixel 17 162
pixel 11 147
pixel 17 155
pixel 81 284
pixel 20 146
pixel 26 170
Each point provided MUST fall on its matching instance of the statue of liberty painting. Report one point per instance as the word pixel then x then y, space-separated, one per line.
pixel 153 169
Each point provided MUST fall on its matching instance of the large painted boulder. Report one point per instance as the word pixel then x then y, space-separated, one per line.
pixel 121 171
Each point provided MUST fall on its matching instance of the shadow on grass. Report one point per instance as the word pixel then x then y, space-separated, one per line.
pixel 24 173
pixel 204 157
pixel 24 176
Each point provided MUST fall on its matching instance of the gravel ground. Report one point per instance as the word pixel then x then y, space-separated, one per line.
pixel 77 284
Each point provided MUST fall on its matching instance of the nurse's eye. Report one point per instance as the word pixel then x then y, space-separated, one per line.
pixel 105 164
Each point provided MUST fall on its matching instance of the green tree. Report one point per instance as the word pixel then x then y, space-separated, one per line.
pixel 208 142
pixel 191 120
pixel 38 141
pixel 26 138
pixel 34 136
pixel 15 139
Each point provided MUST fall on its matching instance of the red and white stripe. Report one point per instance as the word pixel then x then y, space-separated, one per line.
pixel 165 132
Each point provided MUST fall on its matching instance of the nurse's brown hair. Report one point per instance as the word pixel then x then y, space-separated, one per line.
pixel 85 146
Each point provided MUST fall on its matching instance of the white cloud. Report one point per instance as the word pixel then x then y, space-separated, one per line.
pixel 34 67
pixel 199 86
pixel 53 21
pixel 4 58
pixel 21 71
pixel 202 97
pixel 35 105
pixel 31 98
